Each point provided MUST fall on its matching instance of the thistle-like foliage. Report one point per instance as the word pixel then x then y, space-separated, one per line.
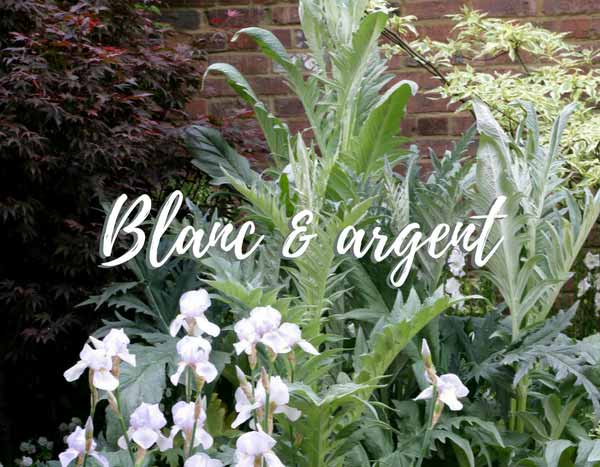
pixel 544 228
pixel 355 126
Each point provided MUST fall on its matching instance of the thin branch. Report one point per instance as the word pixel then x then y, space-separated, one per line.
pixel 521 62
pixel 432 69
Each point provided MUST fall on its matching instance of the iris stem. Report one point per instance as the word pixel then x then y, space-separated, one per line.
pixel 188 385
pixel 427 436
pixel 123 426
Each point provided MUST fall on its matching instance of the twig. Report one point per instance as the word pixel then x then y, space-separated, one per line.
pixel 432 69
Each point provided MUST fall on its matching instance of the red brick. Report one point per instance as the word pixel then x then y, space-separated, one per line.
pixel 244 17
pixel 211 41
pixel 243 42
pixel 432 9
pixel 439 31
pixel 408 127
pixel 285 15
pixel 506 7
pixel 430 126
pixel 594 237
pixel 284 36
pixel 438 146
pixel 581 28
pixel 288 107
pixel 424 103
pixel 217 88
pixel 460 123
pixel 424 79
pixel 299 126
pixel 248 64
pixel 269 86
pixel 188 19
pixel 564 7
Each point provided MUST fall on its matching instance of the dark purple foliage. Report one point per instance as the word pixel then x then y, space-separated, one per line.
pixel 91 96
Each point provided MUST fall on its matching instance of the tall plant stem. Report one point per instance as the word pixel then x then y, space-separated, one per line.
pixel 123 426
pixel 427 436
pixel 522 390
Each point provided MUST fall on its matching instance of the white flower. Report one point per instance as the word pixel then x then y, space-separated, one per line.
pixel 76 443
pixel 253 446
pixel 583 286
pixel 597 301
pixel 26 461
pixel 99 363
pixel 192 306
pixel 263 321
pixel 202 460
pixel 452 287
pixel 115 345
pixel 184 416
pixel 145 424
pixel 264 326
pixel 194 353
pixel 42 441
pixel 292 336
pixel 456 262
pixel 591 261
pixel 279 397
pixel 449 389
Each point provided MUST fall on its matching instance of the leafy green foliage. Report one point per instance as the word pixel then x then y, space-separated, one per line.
pixel 530 387
pixel 556 74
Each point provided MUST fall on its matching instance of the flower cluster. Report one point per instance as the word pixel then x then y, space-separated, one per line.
pixel 264 326
pixel 189 417
pixel 103 360
pixel 148 428
pixel 270 395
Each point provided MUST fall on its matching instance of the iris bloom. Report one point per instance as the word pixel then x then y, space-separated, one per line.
pixel 292 335
pixel 279 397
pixel 264 326
pixel 202 460
pixel 194 353
pixel 78 446
pixel 192 306
pixel 449 389
pixel 99 363
pixel 115 345
pixel 145 424
pixel 254 446
pixel 184 416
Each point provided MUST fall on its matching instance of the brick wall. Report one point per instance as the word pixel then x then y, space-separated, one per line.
pixel 212 23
